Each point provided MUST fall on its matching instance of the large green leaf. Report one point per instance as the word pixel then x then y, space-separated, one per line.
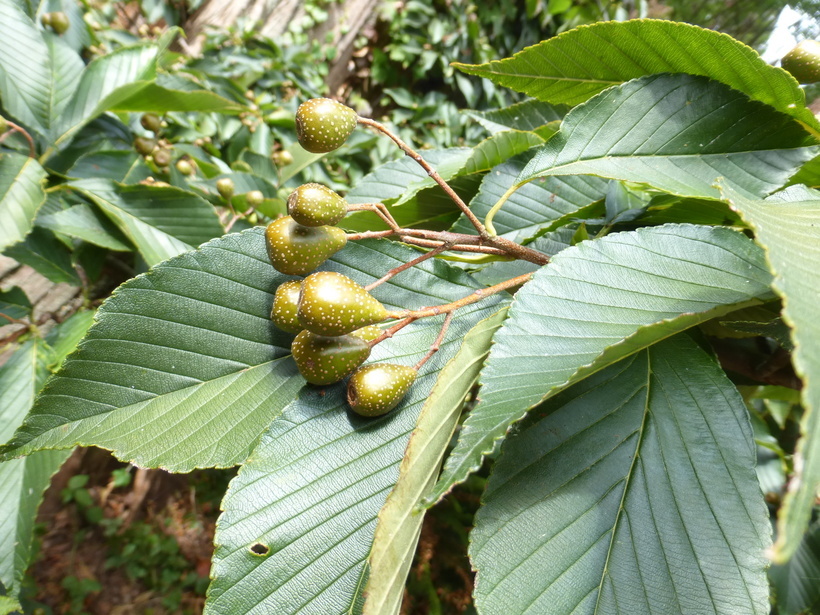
pixel 105 82
pixel 534 205
pixel 399 525
pixel 679 134
pixel 300 516
pixel 160 221
pixel 21 194
pixel 498 148
pixel 38 71
pixel 574 66
pixel 150 96
pixel 632 492
pixel 787 225
pixel 23 481
pixel 596 303
pixel 124 166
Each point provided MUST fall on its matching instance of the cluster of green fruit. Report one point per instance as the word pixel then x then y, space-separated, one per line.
pixel 332 316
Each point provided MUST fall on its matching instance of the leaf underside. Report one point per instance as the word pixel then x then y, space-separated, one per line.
pixel 632 492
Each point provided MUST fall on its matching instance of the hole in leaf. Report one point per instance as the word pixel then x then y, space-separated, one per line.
pixel 260 549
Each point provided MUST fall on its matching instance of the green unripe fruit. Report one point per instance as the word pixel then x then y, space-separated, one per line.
pixel 333 304
pixel 4 125
pixel 376 389
pixel 185 167
pixel 803 62
pixel 59 22
pixel 323 125
pixel 144 146
pixel 282 158
pixel 285 306
pixel 162 157
pixel 368 333
pixel 294 249
pixel 151 121
pixel 325 360
pixel 45 19
pixel 254 198
pixel 316 205
pixel 225 188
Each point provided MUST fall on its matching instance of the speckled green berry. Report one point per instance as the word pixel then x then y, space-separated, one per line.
pixel 803 62
pixel 325 360
pixel 376 389
pixel 294 249
pixel 316 205
pixel 59 22
pixel 45 19
pixel 333 304
pixel 285 306
pixel 254 198
pixel 144 146
pixel 323 125
pixel 151 121
pixel 225 188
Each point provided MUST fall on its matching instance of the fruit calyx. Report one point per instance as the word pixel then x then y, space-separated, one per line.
pixel 333 304
pixel 294 249
pixel 323 125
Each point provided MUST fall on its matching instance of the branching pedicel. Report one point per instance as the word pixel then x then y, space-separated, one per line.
pixel 332 315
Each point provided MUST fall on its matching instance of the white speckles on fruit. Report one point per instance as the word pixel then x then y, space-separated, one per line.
pixel 285 305
pixel 294 249
pixel 325 360
pixel 316 205
pixel 333 304
pixel 376 389
pixel 323 125
pixel 803 62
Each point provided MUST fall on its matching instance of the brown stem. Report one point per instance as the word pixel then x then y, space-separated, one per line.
pixel 32 151
pixel 437 344
pixel 408 264
pixel 510 247
pixel 428 243
pixel 380 210
pixel 388 333
pixel 478 295
pixel 430 171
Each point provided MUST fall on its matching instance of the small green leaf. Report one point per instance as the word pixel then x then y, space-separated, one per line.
pixel 14 303
pixel 596 303
pixel 124 166
pixel 695 132
pixel 21 195
pixel 86 223
pixel 631 492
pixel 399 524
pixel 47 255
pixel 529 115
pixel 576 65
pixel 787 225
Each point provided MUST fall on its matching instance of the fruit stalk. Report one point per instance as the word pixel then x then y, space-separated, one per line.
pixel 32 151
pixel 396 270
pixel 475 297
pixel 437 344
pixel 510 247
